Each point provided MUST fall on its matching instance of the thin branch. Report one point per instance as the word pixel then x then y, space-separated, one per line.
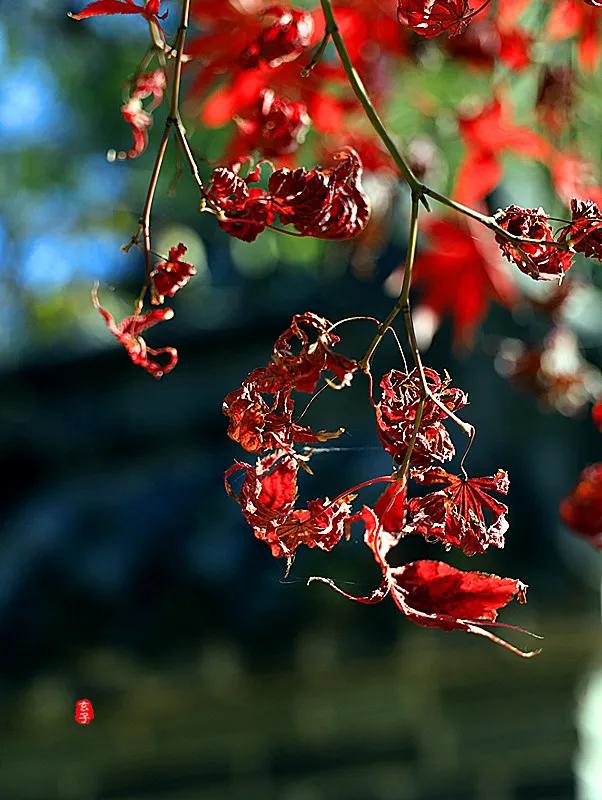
pixel 360 91
pixel 403 300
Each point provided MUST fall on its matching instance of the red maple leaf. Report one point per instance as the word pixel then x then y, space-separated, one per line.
pixel 434 594
pixel 455 515
pixel 150 10
pixel 129 331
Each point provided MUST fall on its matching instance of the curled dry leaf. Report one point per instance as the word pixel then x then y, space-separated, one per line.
pixel 546 261
pixel 267 499
pixel 128 333
pixel 455 515
pixel 396 414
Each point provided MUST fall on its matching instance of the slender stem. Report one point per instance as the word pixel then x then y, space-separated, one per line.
pixel 150 196
pixel 403 300
pixel 360 91
pixel 315 59
pixel 183 139
pixel 172 119
pixel 469 212
pixel 408 454
pixel 180 42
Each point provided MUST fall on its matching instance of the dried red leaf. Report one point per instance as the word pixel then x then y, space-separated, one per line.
pixel 129 331
pixel 584 234
pixel 258 425
pixel 326 202
pixel 302 354
pixel 244 212
pixel 437 595
pixel 267 499
pixel 170 276
pixel 150 84
pixel 455 515
pixel 396 415
pixel 434 594
pixel 546 261
pixel 150 10
pixel 139 121
pixel 304 351
pixel 430 18
pixel 582 510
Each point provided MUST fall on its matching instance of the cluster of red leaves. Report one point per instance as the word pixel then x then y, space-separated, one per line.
pixel 462 514
pixel 536 251
pixel 431 593
pixel 324 202
pixel 302 355
pixel 149 84
pixel 396 415
pixel 167 278
pixel 260 415
pixel 267 498
pixel 582 510
pixel 228 85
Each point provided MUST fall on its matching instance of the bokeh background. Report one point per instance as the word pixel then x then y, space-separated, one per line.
pixel 128 577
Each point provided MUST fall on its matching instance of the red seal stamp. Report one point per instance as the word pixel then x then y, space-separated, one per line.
pixel 84 712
